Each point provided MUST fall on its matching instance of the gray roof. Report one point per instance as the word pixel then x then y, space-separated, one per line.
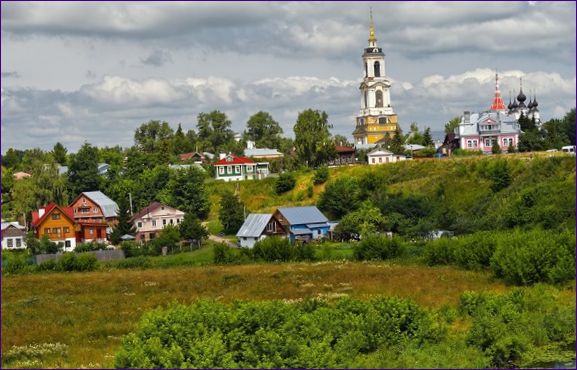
pixel 185 166
pixel 303 215
pixel 413 147
pixel 13 223
pixel 258 152
pixel 108 206
pixel 509 125
pixel 254 225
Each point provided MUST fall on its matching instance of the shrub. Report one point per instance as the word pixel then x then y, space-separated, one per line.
pixel 72 262
pixel 321 175
pixel 223 254
pixel 285 182
pixel 15 262
pixel 441 251
pixel 87 247
pixel 48 265
pixel 475 251
pixel 309 334
pixel 134 262
pixel 340 197
pixel 378 247
pixel 133 248
pixel 276 249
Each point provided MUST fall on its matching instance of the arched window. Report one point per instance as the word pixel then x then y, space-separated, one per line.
pixel 366 70
pixel 366 99
pixel 379 96
pixel 377 67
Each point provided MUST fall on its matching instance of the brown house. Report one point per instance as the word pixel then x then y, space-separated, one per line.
pixel 96 214
pixel 345 155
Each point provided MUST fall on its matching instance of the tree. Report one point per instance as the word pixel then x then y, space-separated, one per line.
pixel 186 192
pixel 341 140
pixel 231 213
pixel 83 170
pixel 192 230
pixel 340 197
pixel 496 148
pixel 263 130
pixel 214 130
pixel 366 220
pixel 168 237
pixel 312 138
pixel 569 126
pixel 150 136
pixel 414 136
pixel 59 153
pixel 500 175
pixel 396 145
pixel 452 125
pixel 427 138
pixel 555 136
pixel 285 182
pixel 180 143
pixel 321 175
pixel 12 158
pixel 124 226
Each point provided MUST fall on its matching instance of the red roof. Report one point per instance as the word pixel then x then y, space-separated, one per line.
pixel 344 149
pixel 233 160
pixel 187 156
pixel 498 103
pixel 67 211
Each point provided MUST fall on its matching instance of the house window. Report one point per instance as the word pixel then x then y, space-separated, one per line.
pixel 373 160
pixel 271 227
pixel 95 210
pixel 178 220
pixel 474 143
pixel 151 235
pixel 139 224
pixel 163 222
pixel 47 231
pixel 67 244
pixel 56 216
pixel 248 168
pixel 153 222
pixel 382 120
pixel 171 221
pixel 56 230
pixel 66 229
pixel 387 159
pixel 221 170
pixel 237 169
pixel 18 242
pixel 469 144
pixel 381 159
pixel 487 142
pixel 10 242
pixel 379 98
pixel 84 201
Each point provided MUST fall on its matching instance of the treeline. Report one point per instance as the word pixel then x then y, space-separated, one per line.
pixel 505 331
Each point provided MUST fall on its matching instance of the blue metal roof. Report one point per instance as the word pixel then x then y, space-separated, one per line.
pixel 301 232
pixel 317 226
pixel 303 215
pixel 254 225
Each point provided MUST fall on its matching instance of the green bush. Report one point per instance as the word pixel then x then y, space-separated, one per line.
pixel 273 334
pixel 285 182
pixel 134 262
pixel 15 262
pixel 223 254
pixel 378 247
pixel 321 175
pixel 474 252
pixel 87 247
pixel 72 262
pixel 441 251
pixel 276 249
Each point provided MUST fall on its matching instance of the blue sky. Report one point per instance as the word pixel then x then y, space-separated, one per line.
pixel 76 72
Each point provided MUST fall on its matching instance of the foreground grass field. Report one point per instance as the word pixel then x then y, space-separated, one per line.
pixel 89 312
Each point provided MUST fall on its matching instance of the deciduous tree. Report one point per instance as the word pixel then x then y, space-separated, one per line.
pixel 263 130
pixel 312 138
pixel 231 213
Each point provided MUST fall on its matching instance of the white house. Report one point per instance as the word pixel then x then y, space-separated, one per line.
pixel 150 221
pixel 236 168
pixel 258 226
pixel 13 235
pixel 381 156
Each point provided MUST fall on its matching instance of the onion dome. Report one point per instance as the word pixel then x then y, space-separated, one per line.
pixel 521 97
pixel 515 105
pixel 535 104
pixel 510 105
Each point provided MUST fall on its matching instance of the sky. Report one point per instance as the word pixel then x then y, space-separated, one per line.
pixel 93 72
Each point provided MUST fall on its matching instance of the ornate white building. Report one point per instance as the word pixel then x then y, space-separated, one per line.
pixel 376 117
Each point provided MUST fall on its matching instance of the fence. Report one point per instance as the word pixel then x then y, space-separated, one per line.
pixel 101 255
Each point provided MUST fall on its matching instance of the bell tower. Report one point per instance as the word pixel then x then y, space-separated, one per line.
pixel 376 117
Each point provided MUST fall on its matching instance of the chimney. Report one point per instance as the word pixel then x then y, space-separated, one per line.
pixel 221 155
pixel 41 212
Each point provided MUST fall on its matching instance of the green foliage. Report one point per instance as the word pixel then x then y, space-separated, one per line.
pixel 124 226
pixel 285 182
pixel 87 247
pixel 231 213
pixel 364 221
pixel 70 261
pixel 44 245
pixel 535 256
pixel 140 262
pixel 223 254
pixel 340 197
pixel 181 143
pixel 187 192
pixel 378 247
pixel 496 148
pixel 321 175
pixel 83 170
pixel 263 130
pixel 191 229
pixel 275 249
pixel 214 131
pixel 312 138
pixel 273 334
pixel 440 251
pixel 466 153
pixel 427 138
pixel 59 153
pixel 452 125
pixel 153 136
pixel 500 175
pixel 12 158
pixel 396 145
pixel 510 329
pixel 15 262
pixel 168 237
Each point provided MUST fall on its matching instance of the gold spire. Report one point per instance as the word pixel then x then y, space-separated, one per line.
pixel 372 37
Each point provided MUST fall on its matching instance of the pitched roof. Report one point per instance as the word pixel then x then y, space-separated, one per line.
pixel 378 151
pixel 37 220
pixel 233 159
pixel 254 225
pixel 344 149
pixel 149 208
pixel 187 156
pixel 6 225
pixel 260 152
pixel 303 215
pixel 21 175
pixel 108 206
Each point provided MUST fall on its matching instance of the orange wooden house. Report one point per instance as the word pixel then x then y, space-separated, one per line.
pixel 96 214
pixel 57 223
